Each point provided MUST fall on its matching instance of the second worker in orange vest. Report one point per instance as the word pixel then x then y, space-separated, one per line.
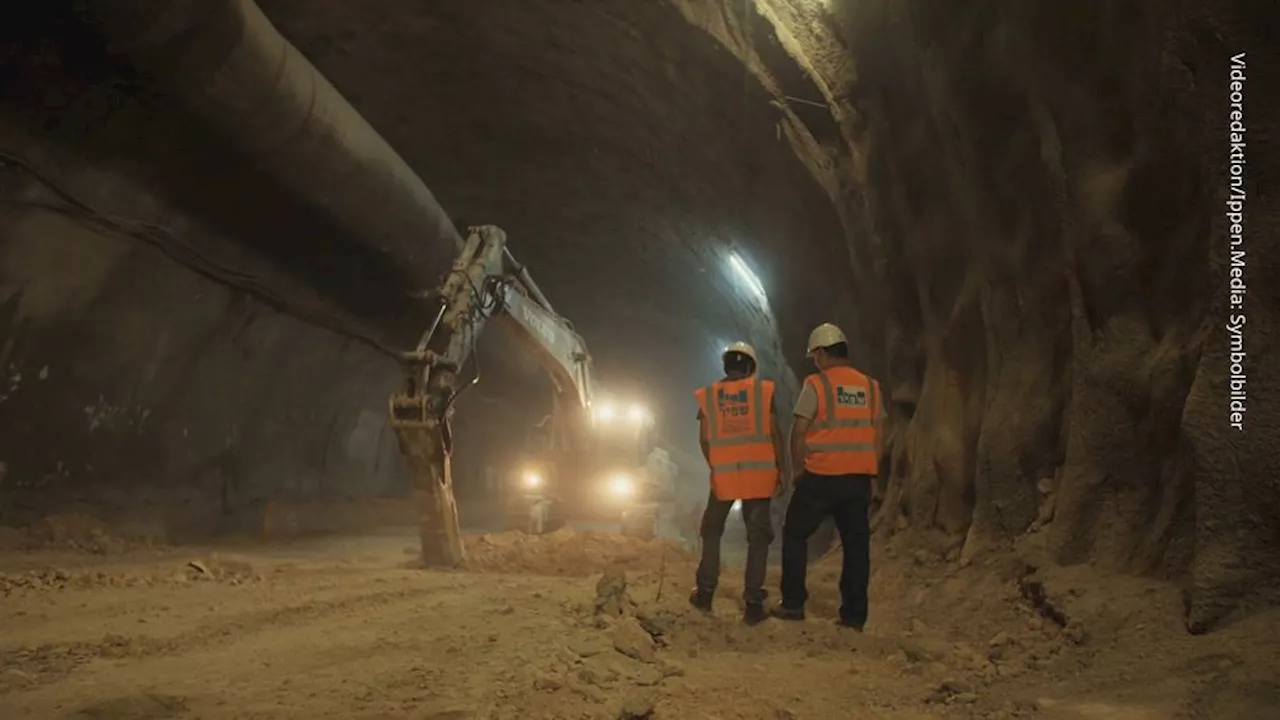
pixel 740 440
pixel 835 439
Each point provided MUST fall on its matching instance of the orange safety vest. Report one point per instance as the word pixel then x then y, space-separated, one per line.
pixel 842 438
pixel 739 425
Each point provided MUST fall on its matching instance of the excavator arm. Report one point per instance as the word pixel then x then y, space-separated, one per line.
pixel 485 283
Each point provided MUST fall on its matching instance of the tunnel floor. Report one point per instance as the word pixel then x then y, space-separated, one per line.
pixel 346 627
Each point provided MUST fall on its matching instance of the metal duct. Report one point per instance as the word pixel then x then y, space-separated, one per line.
pixel 228 64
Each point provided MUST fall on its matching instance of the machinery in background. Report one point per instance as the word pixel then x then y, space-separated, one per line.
pixel 658 478
pixel 529 500
pixel 616 475
pixel 590 458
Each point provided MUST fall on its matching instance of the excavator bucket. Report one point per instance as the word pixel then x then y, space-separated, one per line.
pixel 424 441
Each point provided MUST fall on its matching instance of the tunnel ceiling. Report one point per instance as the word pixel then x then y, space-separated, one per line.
pixel 624 151
pixel 625 148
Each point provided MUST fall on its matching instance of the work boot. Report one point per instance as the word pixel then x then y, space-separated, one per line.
pixel 755 614
pixel 783 612
pixel 841 622
pixel 701 599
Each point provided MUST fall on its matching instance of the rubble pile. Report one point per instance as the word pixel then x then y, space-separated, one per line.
pixel 962 671
pixel 568 553
pixel 74 532
pixel 217 568
pixel 211 569
pixel 616 661
pixel 50 579
pixel 612 599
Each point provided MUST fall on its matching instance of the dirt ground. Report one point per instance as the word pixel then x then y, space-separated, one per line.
pixel 586 625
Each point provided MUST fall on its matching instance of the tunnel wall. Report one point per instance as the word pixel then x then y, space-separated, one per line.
pixel 171 404
pixel 1041 190
pixel 1033 197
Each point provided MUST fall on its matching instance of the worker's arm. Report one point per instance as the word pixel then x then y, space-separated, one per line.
pixel 881 428
pixel 805 410
pixel 881 419
pixel 779 449
pixel 704 440
pixel 776 434
pixel 799 428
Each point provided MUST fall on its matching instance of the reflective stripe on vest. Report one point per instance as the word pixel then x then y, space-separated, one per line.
pixel 830 421
pixel 742 457
pixel 842 445
pixel 760 434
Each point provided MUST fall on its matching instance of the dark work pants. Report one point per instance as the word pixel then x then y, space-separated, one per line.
pixel 755 515
pixel 845 498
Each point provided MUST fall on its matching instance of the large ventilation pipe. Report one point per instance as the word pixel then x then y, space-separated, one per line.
pixel 229 65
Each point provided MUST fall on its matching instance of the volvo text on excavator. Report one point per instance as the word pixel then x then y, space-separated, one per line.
pixel 585 459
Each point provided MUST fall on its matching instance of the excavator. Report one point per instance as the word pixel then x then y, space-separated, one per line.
pixel 588 457
pixel 619 454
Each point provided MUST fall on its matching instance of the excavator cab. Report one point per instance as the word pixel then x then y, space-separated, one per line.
pixel 534 502
pixel 625 436
pixel 599 474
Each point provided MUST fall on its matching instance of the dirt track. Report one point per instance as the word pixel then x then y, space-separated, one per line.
pixel 344 628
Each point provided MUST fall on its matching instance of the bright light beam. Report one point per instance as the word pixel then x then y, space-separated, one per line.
pixel 621 486
pixel 637 413
pixel 606 412
pixel 749 278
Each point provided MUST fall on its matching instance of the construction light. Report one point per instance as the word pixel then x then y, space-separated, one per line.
pixel 747 277
pixel 606 412
pixel 621 486
pixel 638 414
pixel 532 480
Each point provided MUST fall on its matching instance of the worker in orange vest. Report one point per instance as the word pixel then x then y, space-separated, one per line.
pixel 834 447
pixel 741 442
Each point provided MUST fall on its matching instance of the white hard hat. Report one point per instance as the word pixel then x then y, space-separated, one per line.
pixel 825 335
pixel 744 348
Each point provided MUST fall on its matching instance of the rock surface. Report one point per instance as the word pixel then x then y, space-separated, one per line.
pixel 1049 229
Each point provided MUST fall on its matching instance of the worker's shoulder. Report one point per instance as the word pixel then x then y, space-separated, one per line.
pixel 855 370
pixel 745 379
pixel 762 379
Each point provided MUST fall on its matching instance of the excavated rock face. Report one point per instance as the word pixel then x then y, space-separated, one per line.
pixel 1016 210
pixel 1045 186
pixel 1036 194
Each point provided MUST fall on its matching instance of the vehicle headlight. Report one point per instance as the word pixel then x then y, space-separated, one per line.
pixel 606 412
pixel 638 414
pixel 621 486
pixel 532 480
